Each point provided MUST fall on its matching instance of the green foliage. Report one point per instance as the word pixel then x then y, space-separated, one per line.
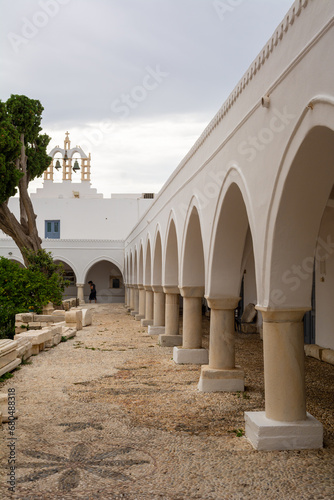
pixel 6 376
pixel 20 120
pixel 32 287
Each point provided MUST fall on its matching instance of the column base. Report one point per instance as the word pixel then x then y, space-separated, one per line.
pixel 146 322
pixel 134 313
pixel 139 317
pixel 156 330
pixel 266 434
pixel 129 309
pixel 213 380
pixel 170 340
pixel 183 356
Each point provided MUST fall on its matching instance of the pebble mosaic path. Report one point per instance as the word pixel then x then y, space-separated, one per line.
pixel 108 415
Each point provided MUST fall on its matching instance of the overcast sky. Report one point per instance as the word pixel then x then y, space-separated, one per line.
pixel 135 82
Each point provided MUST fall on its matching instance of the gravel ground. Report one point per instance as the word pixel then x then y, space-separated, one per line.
pixel 109 415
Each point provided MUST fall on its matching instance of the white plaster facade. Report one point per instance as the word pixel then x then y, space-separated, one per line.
pixel 92 229
pixel 254 198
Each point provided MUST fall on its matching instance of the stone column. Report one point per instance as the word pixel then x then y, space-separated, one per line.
pixel 131 298
pixel 80 293
pixel 171 336
pixel 221 375
pixel 191 350
pixel 284 425
pixel 141 307
pixel 126 296
pixel 158 327
pixel 135 301
pixel 149 307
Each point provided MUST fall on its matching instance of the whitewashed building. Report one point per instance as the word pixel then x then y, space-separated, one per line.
pixel 82 229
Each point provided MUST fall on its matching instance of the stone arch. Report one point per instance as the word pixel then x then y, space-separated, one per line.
pixel 131 269
pixel 148 261
pixel 135 267
pixel 303 187
pixel 108 279
pixel 192 256
pixel 227 243
pixel 141 265
pixel 171 260
pixel 157 261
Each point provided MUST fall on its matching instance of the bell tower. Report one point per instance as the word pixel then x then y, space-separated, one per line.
pixel 67 156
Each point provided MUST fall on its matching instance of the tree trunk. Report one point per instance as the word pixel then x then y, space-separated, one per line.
pixel 24 233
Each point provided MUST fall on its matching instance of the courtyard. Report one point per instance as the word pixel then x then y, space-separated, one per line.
pixel 108 415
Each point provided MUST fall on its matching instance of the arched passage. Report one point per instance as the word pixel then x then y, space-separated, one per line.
pixel 157 261
pixel 171 288
pixel 228 243
pixel 141 266
pixel 71 290
pixel 232 248
pixel 192 272
pixel 192 291
pixel 171 270
pixel 147 280
pixel 108 280
pixel 304 186
pixel 303 199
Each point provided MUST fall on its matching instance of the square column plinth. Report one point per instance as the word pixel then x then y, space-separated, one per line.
pixel 156 330
pixel 146 322
pixel 220 380
pixel 183 356
pixel 170 340
pixel 266 434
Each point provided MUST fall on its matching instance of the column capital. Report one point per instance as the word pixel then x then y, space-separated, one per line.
pixel 80 285
pixel 171 289
pixel 157 288
pixel 140 287
pixel 222 303
pixel 288 315
pixel 192 291
pixel 148 288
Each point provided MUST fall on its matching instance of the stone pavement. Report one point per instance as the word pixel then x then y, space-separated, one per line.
pixel 109 415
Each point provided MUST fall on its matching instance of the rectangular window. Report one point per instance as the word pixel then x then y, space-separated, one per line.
pixel 52 229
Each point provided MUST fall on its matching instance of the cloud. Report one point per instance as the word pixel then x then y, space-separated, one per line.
pixel 84 55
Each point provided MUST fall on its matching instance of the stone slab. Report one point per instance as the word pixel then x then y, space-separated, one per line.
pixel 213 380
pixel 327 355
pixel 8 357
pixel 37 337
pixel 69 333
pixel 156 330
pixel 11 366
pixel 86 317
pixel 266 434
pixel 183 356
pixel 313 350
pixel 249 314
pixel 7 345
pixel 24 317
pixel 73 318
pixel 170 340
pixel 58 312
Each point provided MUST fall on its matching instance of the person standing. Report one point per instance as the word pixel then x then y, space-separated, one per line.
pixel 92 295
